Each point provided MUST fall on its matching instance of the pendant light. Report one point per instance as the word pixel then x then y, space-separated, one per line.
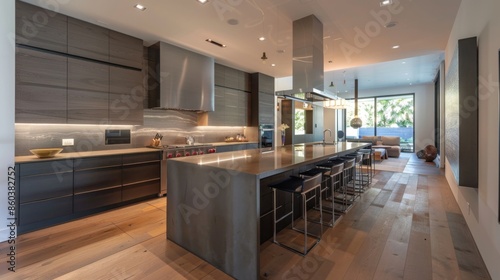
pixel 264 57
pixel 356 121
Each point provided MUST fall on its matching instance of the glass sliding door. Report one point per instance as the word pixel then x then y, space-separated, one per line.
pixel 395 118
pixel 384 116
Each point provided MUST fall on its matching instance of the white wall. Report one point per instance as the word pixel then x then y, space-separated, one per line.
pixel 7 54
pixel 480 18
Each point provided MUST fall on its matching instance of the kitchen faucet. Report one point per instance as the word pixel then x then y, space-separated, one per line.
pixel 324 133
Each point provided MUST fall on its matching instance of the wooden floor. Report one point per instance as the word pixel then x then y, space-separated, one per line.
pixel 406 226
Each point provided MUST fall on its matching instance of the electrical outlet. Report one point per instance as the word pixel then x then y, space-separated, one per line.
pixel 68 142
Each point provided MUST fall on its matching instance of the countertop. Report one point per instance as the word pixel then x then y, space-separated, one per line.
pixel 33 158
pixel 264 163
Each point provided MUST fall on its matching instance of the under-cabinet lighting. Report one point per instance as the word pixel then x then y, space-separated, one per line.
pixel 202 1
pixel 395 47
pixel 223 159
pixel 140 7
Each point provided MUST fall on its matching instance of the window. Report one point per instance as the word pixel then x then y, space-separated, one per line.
pixel 384 116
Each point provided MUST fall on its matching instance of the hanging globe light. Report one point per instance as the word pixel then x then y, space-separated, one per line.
pixel 356 122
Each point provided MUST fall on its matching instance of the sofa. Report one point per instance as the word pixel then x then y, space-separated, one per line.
pixel 390 143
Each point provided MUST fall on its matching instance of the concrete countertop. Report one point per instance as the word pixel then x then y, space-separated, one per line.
pixel 264 163
pixel 33 158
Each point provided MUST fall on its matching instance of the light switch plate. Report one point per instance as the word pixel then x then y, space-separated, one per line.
pixel 68 142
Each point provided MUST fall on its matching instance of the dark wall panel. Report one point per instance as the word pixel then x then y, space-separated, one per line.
pixel 462 113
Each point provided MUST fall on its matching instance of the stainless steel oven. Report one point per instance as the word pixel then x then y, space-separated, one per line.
pixel 266 133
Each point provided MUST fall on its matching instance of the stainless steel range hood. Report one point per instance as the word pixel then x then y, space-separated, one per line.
pixel 180 79
pixel 308 68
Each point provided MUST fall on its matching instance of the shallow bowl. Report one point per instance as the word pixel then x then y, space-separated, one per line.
pixel 46 153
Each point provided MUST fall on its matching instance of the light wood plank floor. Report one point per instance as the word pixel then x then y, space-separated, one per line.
pixel 406 226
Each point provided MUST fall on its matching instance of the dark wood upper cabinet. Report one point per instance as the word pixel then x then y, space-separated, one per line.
pixel 72 71
pixel 88 87
pixel 88 40
pixel 125 50
pixel 126 96
pixel 41 28
pixel 41 81
pixel 262 99
pixel 232 98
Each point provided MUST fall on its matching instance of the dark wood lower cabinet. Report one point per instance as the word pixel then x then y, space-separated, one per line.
pixel 57 191
pixel 135 191
pixel 97 199
pixel 43 210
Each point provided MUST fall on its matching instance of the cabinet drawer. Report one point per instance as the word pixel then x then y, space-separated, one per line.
pixel 46 167
pixel 141 157
pixel 140 190
pixel 33 188
pixel 97 199
pixel 141 172
pixel 97 162
pixel 96 179
pixel 45 210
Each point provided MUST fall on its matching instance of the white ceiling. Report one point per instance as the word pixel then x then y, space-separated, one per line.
pixel 355 39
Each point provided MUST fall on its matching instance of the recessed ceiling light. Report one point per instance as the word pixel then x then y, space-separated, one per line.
pixel 395 47
pixel 216 43
pixel 390 24
pixel 385 3
pixel 273 65
pixel 202 1
pixel 140 7
pixel 232 21
pixel 262 38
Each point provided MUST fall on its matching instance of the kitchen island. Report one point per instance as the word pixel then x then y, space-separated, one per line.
pixel 214 201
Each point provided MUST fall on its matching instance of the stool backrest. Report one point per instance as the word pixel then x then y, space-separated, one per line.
pixel 312 182
pixel 337 169
pixel 349 162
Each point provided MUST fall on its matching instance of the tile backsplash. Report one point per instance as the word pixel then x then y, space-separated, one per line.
pixel 173 125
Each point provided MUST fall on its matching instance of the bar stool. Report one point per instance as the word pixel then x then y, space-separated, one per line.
pixel 334 170
pixel 358 187
pixel 324 186
pixel 348 179
pixel 299 186
pixel 368 162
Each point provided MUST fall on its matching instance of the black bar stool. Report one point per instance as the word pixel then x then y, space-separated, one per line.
pixel 358 186
pixel 299 186
pixel 334 170
pixel 348 183
pixel 368 162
